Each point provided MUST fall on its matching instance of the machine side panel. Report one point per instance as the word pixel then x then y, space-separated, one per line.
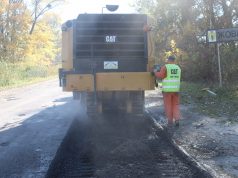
pixel 150 44
pixel 67 49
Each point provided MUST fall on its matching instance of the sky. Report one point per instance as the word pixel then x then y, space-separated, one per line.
pixel 74 7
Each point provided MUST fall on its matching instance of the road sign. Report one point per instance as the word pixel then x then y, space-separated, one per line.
pixel 211 36
pixel 222 35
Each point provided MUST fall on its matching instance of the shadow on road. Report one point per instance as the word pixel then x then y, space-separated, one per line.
pixel 28 144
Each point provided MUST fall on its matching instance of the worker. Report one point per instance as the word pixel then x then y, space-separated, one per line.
pixel 170 74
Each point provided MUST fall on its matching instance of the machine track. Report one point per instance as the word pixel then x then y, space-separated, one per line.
pixel 138 101
pixel 119 146
pixel 92 104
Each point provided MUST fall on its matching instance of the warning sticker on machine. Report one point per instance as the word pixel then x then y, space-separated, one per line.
pixel 110 64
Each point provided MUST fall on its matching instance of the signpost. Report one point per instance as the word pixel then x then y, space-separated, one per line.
pixel 219 64
pixel 219 36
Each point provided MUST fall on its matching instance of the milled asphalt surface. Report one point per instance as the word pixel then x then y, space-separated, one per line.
pixel 34 121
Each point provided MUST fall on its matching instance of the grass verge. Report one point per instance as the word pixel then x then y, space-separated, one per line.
pixel 222 105
pixel 15 75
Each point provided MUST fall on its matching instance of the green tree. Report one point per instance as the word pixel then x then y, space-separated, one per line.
pixel 43 46
pixel 14 24
pixel 181 21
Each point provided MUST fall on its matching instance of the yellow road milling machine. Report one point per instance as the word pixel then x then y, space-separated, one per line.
pixel 107 58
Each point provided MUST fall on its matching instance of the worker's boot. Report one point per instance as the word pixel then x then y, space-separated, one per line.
pixel 169 129
pixel 177 123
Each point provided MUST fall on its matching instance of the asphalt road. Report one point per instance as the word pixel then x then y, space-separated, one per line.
pixel 33 122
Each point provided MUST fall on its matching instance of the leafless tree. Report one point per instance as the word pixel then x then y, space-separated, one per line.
pixel 40 8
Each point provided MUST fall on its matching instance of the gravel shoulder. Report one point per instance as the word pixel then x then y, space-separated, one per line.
pixel 213 142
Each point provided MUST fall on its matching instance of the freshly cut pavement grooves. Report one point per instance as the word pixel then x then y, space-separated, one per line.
pixel 116 145
pixel 74 157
